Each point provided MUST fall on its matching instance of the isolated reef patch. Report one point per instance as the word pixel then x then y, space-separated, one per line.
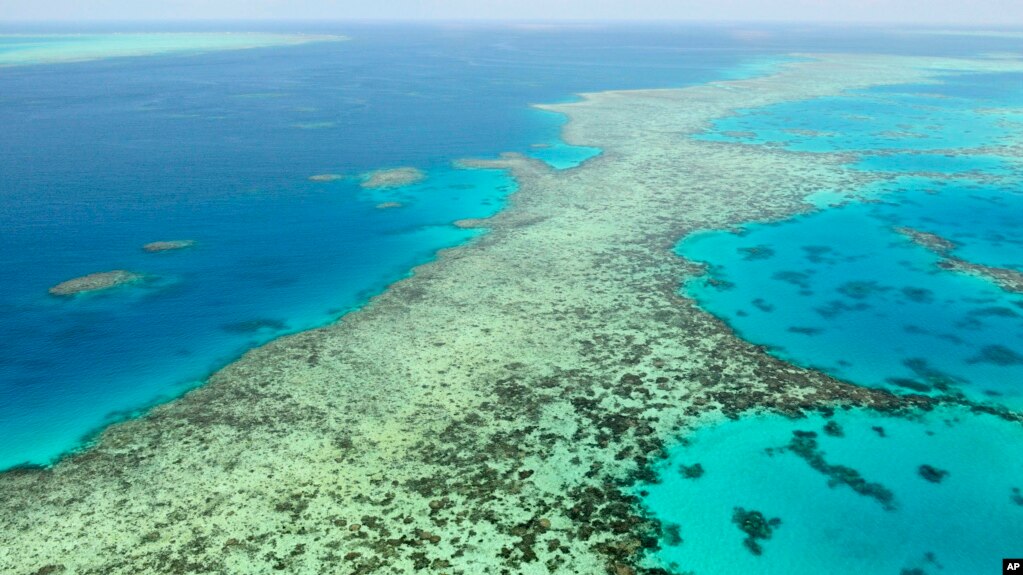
pixel 166 246
pixel 322 178
pixel 95 282
pixel 393 178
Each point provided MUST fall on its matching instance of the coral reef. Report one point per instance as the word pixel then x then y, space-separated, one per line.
pixel 165 246
pixel 932 474
pixel 804 444
pixel 94 282
pixel 1008 279
pixel 694 471
pixel 484 414
pixel 256 325
pixel 470 223
pixel 324 178
pixel 393 178
pixel 756 526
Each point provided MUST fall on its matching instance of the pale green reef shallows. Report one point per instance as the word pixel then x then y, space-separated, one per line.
pixel 482 415
pixel 58 48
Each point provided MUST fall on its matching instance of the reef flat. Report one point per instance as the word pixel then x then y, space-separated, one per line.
pixel 59 48
pixel 94 282
pixel 323 178
pixel 393 178
pixel 168 245
pixel 481 415
pixel 1008 279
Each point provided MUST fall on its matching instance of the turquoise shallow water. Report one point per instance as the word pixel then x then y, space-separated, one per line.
pixel 933 164
pixel 963 524
pixel 947 116
pixel 841 290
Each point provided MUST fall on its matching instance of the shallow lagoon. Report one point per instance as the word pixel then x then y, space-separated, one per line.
pixel 961 524
pixel 959 112
pixel 841 290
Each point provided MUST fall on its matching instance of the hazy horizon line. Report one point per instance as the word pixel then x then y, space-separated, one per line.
pixel 521 21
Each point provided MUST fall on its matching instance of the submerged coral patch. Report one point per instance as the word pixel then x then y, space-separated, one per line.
pixel 324 178
pixel 959 457
pixel 168 245
pixel 393 178
pixel 98 281
pixel 756 527
pixel 256 325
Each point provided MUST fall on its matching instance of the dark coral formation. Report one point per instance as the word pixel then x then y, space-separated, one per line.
pixel 694 471
pixel 757 253
pixel 833 429
pixel 804 444
pixel 933 242
pixel 909 384
pixel 933 377
pixel 1008 279
pixel 255 326
pixel 997 355
pixel 861 289
pixel 932 474
pixel 756 526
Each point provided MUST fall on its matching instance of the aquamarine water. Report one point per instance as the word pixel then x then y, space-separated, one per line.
pixel 960 112
pixel 839 289
pixel 842 291
pixel 933 164
pixel 963 524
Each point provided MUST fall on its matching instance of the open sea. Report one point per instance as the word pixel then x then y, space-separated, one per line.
pixel 98 158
